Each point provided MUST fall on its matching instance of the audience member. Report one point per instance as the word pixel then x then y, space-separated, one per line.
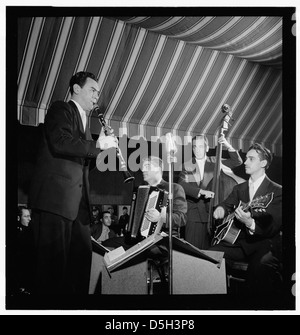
pixel 114 220
pixel 20 255
pixel 123 221
pixel 95 215
pixel 101 231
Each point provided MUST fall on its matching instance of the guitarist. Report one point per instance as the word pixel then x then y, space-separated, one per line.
pixel 260 229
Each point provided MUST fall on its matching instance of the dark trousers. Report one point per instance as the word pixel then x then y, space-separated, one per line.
pixel 196 233
pixel 263 274
pixel 63 253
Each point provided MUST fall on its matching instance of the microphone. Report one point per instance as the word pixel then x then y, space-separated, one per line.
pixel 100 115
pixel 170 144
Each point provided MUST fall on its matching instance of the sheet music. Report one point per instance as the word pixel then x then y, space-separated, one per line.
pixel 98 246
pixel 119 256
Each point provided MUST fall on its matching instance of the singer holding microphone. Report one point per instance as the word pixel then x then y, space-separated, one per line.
pixel 59 192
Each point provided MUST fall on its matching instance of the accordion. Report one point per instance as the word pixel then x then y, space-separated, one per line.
pixel 146 197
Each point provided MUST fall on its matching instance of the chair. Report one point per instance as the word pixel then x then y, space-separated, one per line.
pixel 237 274
pixel 157 274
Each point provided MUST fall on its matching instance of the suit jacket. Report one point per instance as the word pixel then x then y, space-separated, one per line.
pixel 190 181
pixel 268 222
pixel 61 177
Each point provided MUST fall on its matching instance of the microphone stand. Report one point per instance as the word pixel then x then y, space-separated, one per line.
pixel 171 160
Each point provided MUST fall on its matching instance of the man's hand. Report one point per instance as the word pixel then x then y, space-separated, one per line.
pixel 153 215
pixel 244 217
pixel 207 194
pixel 222 140
pixel 106 141
pixel 219 213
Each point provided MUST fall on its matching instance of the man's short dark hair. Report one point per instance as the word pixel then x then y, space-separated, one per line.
pixel 80 78
pixel 263 152
pixel 21 208
pixel 104 212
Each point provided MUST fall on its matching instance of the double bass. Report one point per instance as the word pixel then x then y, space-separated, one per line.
pixel 223 181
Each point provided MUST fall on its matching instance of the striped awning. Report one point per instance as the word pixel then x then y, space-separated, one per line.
pixel 159 74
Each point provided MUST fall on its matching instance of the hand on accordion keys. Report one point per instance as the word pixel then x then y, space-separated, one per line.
pixel 154 215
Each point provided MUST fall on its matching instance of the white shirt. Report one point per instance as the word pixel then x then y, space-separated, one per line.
pixel 256 183
pixel 82 113
pixel 104 234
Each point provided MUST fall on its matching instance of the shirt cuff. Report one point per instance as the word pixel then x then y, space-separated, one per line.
pixel 252 227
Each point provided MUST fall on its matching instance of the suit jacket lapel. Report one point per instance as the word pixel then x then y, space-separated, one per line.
pixel 208 173
pixel 263 188
pixel 196 173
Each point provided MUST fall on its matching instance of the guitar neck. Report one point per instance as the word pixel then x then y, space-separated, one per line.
pixel 231 215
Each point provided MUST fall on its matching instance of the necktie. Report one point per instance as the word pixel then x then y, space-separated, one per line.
pixel 251 191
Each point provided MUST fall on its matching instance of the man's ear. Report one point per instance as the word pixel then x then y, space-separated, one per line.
pixel 76 88
pixel 18 218
pixel 264 163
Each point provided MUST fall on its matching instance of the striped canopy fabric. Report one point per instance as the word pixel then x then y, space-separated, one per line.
pixel 160 74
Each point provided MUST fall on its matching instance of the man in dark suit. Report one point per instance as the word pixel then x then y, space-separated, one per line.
pixel 195 177
pixel 59 194
pixel 152 168
pixel 258 228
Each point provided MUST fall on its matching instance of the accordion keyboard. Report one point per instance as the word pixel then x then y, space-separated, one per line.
pixel 148 227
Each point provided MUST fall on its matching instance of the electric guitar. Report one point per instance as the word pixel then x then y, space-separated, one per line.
pixel 228 231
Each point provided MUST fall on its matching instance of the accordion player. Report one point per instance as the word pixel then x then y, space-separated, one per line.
pixel 145 198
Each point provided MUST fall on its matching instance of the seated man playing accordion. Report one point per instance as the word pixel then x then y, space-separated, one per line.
pixel 152 168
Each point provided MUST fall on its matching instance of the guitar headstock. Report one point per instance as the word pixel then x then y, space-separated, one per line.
pixel 262 201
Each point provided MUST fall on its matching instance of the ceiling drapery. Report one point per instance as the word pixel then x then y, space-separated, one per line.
pixel 159 74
